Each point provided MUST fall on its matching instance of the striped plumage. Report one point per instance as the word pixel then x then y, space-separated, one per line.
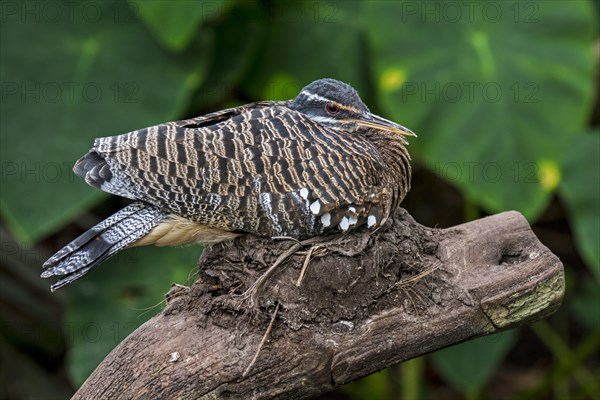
pixel 321 162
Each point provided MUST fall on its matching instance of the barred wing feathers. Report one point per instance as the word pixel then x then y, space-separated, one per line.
pixel 263 170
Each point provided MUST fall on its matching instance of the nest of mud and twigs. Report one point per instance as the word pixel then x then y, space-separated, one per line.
pixel 349 277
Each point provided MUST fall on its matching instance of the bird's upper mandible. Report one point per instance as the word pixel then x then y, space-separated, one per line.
pixel 321 162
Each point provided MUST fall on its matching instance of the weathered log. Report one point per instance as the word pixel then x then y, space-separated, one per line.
pixel 366 302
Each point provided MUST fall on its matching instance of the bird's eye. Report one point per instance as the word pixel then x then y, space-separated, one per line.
pixel 332 108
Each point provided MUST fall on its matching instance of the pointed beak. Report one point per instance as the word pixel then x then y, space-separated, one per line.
pixel 376 122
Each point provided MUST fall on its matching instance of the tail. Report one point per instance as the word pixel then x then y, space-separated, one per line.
pixel 102 241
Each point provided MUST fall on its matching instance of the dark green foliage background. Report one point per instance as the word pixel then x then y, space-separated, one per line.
pixel 501 95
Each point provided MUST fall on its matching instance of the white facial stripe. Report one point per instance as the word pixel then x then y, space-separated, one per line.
pixel 312 96
pixel 322 119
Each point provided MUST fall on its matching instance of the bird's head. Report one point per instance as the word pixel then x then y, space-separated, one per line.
pixel 338 106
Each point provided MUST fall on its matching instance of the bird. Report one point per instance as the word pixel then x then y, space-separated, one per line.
pixel 318 164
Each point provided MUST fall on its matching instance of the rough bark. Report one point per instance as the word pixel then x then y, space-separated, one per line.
pixel 365 303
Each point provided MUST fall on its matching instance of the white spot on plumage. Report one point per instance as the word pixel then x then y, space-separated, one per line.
pixel 344 224
pixel 315 207
pixel 352 219
pixel 304 193
pixel 326 219
pixel 371 221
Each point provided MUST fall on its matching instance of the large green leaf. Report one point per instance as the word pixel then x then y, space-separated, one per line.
pixel 92 71
pixel 495 90
pixel 232 56
pixel 175 22
pixel 469 365
pixel 580 191
pixel 373 387
pixel 114 299
pixel 586 305
pixel 307 41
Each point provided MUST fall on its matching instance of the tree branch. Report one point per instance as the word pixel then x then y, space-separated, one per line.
pixel 365 303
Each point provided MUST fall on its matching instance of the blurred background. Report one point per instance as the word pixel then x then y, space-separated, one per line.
pixel 503 96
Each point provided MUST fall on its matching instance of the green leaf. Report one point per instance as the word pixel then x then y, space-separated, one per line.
pixel 586 305
pixel 373 387
pixel 307 41
pixel 115 298
pixel 469 365
pixel 495 98
pixel 232 56
pixel 580 191
pixel 94 71
pixel 175 22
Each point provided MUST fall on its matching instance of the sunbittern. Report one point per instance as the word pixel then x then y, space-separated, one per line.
pixel 319 163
